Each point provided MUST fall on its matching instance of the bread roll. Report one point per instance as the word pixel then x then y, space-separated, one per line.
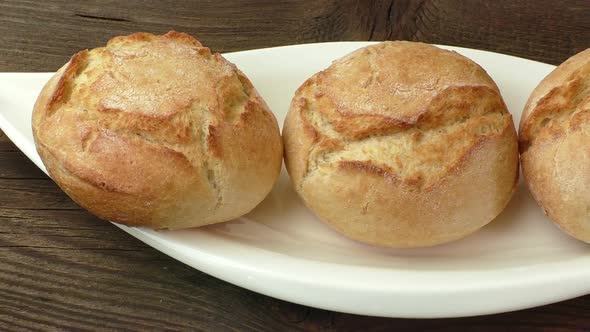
pixel 402 144
pixel 157 131
pixel 555 145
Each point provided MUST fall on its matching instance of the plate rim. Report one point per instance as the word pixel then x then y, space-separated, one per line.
pixel 214 265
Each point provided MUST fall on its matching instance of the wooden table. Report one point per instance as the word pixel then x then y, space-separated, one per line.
pixel 63 269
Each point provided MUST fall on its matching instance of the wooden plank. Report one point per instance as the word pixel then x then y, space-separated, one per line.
pixel 15 165
pixel 47 35
pixel 547 31
pixel 42 38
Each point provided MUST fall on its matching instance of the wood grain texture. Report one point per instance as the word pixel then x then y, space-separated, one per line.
pixel 63 269
pixel 547 31
pixel 36 37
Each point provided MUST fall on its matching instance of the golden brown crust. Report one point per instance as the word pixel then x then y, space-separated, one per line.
pixel 382 144
pixel 157 131
pixel 553 139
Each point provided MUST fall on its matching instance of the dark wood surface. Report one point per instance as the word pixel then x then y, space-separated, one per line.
pixel 63 269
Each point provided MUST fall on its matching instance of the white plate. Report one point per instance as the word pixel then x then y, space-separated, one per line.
pixel 280 249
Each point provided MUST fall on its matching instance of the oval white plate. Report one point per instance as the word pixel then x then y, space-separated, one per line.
pixel 280 249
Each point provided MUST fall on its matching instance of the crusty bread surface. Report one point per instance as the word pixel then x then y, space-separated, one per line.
pixel 157 131
pixel 402 144
pixel 554 140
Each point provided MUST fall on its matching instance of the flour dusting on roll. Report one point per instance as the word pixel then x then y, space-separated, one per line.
pixel 157 131
pixel 402 144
